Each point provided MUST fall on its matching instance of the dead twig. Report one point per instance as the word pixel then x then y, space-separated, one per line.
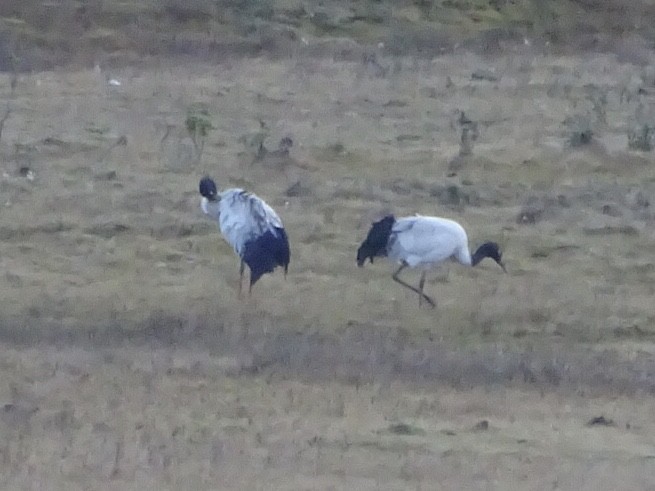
pixel 4 119
pixel 14 73
pixel 120 142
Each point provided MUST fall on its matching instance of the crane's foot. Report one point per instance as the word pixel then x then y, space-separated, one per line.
pixel 428 300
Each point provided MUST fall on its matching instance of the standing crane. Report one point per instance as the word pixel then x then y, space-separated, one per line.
pixel 422 242
pixel 250 226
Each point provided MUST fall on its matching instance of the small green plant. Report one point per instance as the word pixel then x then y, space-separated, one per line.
pixel 469 133
pixel 641 137
pixel 426 7
pixel 254 142
pixel 597 98
pixel 198 125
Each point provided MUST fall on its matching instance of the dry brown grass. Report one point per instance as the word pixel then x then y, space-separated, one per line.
pixel 179 419
pixel 37 35
pixel 128 362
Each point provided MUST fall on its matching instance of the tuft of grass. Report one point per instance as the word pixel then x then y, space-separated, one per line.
pixel 580 130
pixel 641 138
pixel 48 34
pixel 96 130
pixel 405 429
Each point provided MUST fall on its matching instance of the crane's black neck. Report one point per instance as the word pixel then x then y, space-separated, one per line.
pixel 207 188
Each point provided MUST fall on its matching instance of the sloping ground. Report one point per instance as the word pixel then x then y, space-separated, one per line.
pixel 128 362
pixel 103 241
pixel 180 419
pixel 37 35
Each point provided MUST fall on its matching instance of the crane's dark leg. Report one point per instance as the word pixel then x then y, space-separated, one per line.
pixel 241 270
pixel 413 288
pixel 421 283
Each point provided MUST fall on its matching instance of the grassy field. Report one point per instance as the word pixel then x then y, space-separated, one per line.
pixel 127 361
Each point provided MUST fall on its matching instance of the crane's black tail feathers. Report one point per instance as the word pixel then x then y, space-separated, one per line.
pixel 264 253
pixel 376 241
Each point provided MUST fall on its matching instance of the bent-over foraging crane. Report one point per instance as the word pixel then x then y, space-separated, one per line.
pixel 422 241
pixel 250 226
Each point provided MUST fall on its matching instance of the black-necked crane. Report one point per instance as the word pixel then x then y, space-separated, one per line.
pixel 250 226
pixel 422 242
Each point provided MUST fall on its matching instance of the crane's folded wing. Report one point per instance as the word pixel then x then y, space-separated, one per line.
pixel 424 240
pixel 245 217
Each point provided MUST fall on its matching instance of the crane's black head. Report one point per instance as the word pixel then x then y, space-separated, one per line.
pixel 375 244
pixel 490 250
pixel 207 188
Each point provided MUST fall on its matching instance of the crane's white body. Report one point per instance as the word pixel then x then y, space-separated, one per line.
pixel 242 217
pixel 423 241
